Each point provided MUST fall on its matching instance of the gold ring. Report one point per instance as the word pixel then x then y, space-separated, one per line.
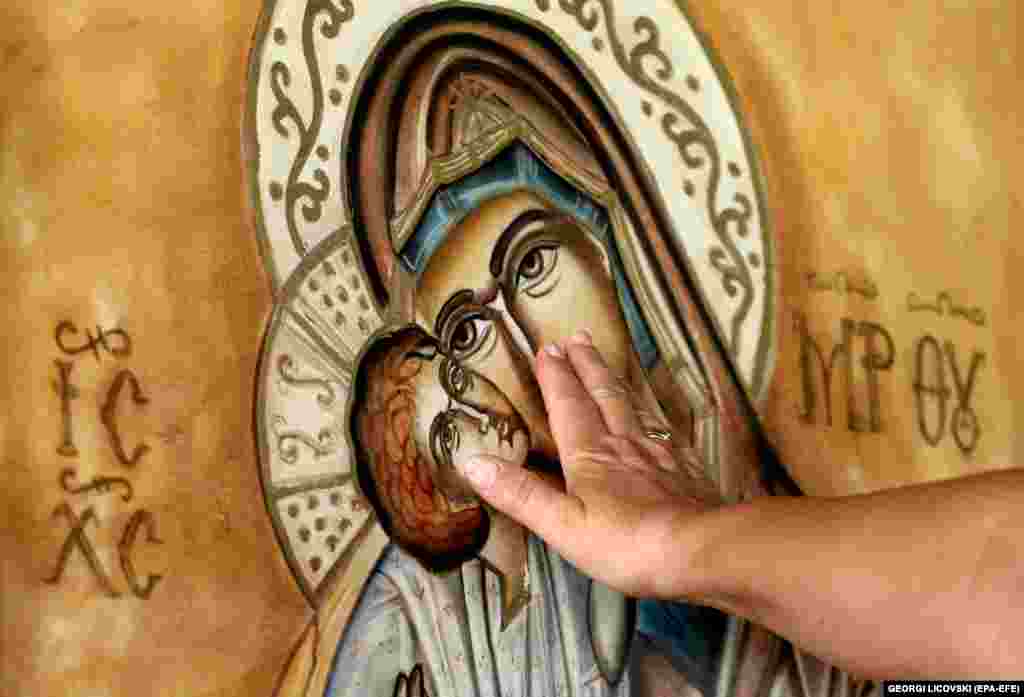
pixel 656 434
pixel 608 392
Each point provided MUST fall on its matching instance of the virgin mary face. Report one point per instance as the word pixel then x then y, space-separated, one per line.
pixel 514 276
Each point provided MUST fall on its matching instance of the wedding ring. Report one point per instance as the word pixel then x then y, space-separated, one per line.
pixel 609 392
pixel 657 434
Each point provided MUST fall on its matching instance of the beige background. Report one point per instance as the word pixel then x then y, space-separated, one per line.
pixel 889 142
pixel 889 145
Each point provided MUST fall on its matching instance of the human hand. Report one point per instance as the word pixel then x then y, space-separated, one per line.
pixel 625 516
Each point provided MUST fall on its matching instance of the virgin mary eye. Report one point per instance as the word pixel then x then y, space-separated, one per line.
pixel 535 269
pixel 465 329
pixel 532 265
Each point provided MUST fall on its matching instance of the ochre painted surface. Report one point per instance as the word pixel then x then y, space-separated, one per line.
pixel 888 137
pixel 119 125
pixel 888 141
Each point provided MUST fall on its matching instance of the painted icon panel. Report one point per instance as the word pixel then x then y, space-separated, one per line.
pixel 442 189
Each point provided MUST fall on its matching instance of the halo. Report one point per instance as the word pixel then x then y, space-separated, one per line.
pixel 667 91
pixel 326 317
pixel 671 103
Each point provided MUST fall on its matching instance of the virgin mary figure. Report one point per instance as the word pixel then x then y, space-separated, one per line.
pixel 503 210
pixel 496 229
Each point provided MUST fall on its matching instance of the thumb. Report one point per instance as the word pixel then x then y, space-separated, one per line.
pixel 528 498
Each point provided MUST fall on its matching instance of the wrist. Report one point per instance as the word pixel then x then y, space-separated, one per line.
pixel 708 572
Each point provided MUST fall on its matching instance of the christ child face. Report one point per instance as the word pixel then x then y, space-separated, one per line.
pixel 461 415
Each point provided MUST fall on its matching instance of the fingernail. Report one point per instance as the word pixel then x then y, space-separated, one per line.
pixel 480 471
pixel 554 350
pixel 583 338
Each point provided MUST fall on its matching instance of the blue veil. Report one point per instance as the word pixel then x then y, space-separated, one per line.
pixel 517 168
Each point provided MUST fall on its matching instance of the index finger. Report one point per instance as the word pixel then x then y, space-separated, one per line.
pixel 576 421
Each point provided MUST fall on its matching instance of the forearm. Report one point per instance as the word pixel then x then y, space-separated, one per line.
pixel 922 581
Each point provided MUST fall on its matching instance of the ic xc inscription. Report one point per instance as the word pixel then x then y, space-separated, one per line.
pixel 141 527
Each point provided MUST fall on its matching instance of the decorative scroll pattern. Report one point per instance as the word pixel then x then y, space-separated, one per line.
pixel 647 65
pixel 324 316
pixel 298 116
pixel 329 18
pixel 304 417
pixel 288 442
pixel 286 368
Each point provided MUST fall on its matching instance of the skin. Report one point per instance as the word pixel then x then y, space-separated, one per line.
pixel 553 274
pixel 878 584
pixel 474 423
pixel 480 422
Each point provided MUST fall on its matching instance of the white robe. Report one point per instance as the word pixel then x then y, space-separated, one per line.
pixel 451 625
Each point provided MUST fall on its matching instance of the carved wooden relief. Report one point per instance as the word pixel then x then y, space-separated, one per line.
pixel 439 190
pixel 250 249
